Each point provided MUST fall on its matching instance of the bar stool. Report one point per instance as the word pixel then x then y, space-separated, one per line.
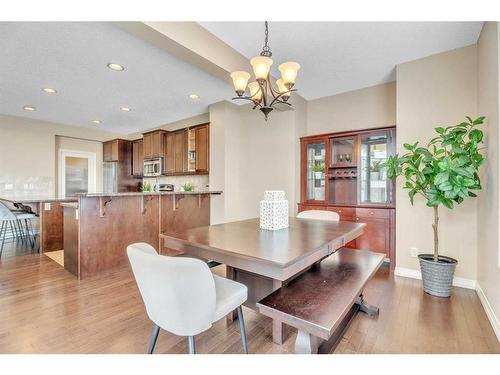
pixel 182 296
pixel 15 220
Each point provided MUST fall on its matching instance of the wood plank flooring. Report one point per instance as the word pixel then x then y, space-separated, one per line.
pixel 44 309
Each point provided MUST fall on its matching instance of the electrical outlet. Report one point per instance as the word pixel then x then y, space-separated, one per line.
pixel 413 252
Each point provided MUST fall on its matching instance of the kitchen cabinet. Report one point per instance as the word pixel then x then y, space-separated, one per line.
pixel 138 157
pixel 201 146
pixel 180 153
pixel 169 153
pixel 153 144
pixel 110 150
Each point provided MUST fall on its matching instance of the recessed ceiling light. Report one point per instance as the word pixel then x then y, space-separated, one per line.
pixel 96 121
pixel 49 90
pixel 29 108
pixel 125 109
pixel 116 67
pixel 194 96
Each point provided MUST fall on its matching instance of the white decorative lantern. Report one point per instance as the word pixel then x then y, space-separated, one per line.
pixel 274 210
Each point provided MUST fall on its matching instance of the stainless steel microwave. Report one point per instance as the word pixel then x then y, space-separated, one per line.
pixel 153 167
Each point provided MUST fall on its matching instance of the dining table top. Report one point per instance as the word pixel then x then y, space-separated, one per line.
pixel 242 244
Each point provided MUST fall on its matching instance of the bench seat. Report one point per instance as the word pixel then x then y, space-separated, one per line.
pixel 319 301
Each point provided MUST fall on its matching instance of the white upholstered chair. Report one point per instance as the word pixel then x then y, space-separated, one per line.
pixel 182 296
pixel 319 215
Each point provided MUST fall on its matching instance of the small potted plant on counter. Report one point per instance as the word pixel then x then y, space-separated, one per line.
pixel 445 172
pixel 187 187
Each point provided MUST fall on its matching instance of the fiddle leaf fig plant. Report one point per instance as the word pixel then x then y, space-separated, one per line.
pixel 445 171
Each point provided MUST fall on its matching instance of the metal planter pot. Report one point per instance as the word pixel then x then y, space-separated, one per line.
pixel 437 276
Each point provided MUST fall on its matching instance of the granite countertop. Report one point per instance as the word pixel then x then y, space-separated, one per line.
pixel 139 193
pixel 36 199
pixel 70 204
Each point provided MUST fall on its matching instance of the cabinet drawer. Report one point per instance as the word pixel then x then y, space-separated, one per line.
pixel 378 213
pixel 344 211
pixel 305 207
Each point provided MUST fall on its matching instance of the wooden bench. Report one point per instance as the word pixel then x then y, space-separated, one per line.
pixel 321 302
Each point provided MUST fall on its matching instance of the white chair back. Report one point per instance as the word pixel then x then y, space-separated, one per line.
pixel 5 213
pixel 179 293
pixel 319 215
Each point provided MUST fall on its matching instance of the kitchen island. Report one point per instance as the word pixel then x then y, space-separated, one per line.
pixel 98 230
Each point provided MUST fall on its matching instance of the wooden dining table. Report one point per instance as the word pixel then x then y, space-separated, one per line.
pixel 265 260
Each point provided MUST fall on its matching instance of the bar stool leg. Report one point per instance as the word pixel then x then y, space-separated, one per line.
pixel 3 233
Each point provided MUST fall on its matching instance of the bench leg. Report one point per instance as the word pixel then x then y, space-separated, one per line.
pixel 277 332
pixel 366 308
pixel 306 343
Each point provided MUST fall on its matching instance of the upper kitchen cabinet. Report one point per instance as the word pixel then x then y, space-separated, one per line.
pixel 175 152
pixel 115 150
pixel 202 148
pixel 153 144
pixel 138 157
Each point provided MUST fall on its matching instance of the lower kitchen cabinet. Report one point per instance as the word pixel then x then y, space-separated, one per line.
pixel 379 234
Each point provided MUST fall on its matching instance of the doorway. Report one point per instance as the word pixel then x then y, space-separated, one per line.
pixel 77 173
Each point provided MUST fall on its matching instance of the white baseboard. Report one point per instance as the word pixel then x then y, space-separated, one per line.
pixel 461 282
pixel 489 311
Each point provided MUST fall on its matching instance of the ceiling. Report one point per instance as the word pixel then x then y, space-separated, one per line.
pixel 72 57
pixel 337 57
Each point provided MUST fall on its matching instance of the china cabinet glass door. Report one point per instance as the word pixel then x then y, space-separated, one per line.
pixel 374 185
pixel 316 156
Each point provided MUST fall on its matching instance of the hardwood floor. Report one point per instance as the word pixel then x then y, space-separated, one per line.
pixel 44 309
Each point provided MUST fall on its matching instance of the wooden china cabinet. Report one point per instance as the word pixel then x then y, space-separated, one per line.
pixel 341 172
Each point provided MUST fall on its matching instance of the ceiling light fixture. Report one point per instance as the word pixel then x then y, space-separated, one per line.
pixel 116 67
pixel 29 108
pixel 125 109
pixel 49 90
pixel 194 96
pixel 96 121
pixel 261 92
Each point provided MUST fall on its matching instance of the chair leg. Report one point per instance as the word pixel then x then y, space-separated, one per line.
pixel 2 236
pixel 242 330
pixel 154 337
pixel 192 345
pixel 30 238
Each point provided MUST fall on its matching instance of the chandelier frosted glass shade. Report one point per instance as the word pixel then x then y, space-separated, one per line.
pixel 289 72
pixel 282 89
pixel 261 66
pixel 255 91
pixel 240 81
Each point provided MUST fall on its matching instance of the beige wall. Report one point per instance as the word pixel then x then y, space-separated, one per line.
pixel 488 271
pixel 28 156
pixel 249 155
pixel 370 107
pixel 436 90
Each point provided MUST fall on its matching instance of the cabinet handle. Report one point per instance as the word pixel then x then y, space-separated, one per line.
pixel 340 211
pixel 357 219
pixel 371 212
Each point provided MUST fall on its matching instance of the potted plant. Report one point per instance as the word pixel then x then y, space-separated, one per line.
pixel 319 170
pixel 375 170
pixel 187 187
pixel 445 172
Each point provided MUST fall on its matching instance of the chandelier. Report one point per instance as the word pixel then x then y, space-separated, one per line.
pixel 262 93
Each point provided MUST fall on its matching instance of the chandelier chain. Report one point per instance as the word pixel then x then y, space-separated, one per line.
pixel 266 50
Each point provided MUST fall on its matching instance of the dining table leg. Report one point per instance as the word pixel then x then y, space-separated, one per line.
pixel 277 324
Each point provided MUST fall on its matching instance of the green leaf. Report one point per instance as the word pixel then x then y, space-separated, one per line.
pixel 441 177
pixel 439 130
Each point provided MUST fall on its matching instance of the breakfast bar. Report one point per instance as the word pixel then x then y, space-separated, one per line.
pixel 100 227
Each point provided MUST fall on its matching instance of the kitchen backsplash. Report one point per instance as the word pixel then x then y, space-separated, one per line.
pixel 26 186
pixel 199 182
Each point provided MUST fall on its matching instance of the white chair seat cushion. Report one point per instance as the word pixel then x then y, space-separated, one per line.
pixel 229 295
